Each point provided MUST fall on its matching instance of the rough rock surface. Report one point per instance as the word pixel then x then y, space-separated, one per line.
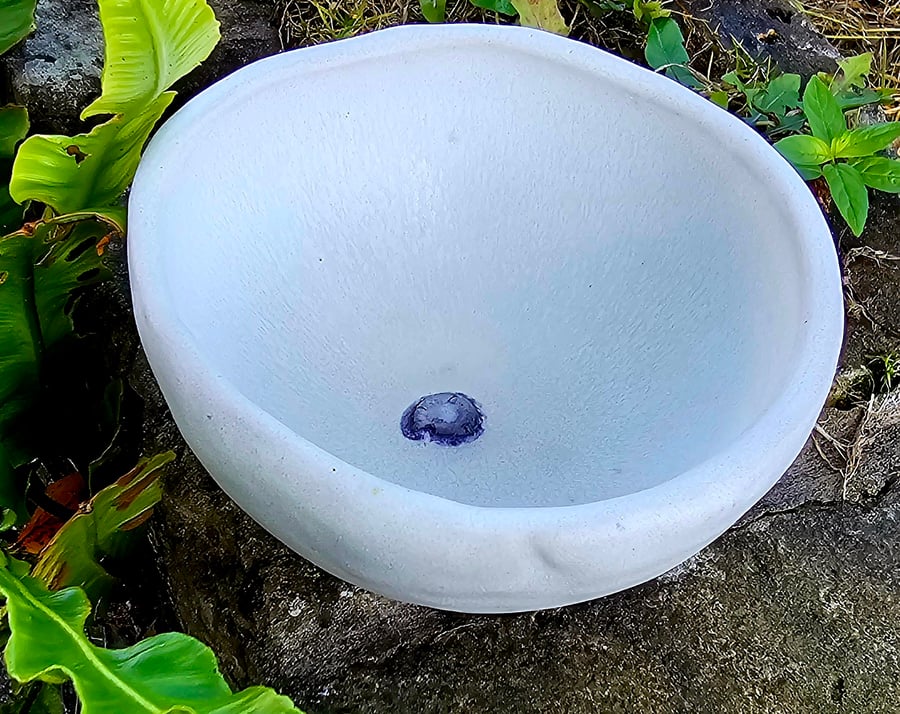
pixel 873 460
pixel 872 282
pixel 56 70
pixel 768 29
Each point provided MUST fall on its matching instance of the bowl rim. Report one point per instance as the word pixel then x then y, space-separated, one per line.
pixel 702 501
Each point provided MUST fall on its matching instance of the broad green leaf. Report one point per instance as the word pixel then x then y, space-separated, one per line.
pixel 646 11
pixel 880 173
pixel 39 270
pixel 70 263
pixel 733 79
pixel 73 556
pixel 852 72
pixel 165 673
pixel 665 50
pixel 826 120
pixel 503 7
pixel 780 95
pixel 150 44
pixel 13 128
pixel 49 701
pixel 865 141
pixel 21 343
pixel 809 172
pixel 719 99
pixel 434 10
pixel 791 123
pixel 803 150
pixel 849 193
pixel 11 213
pixel 74 173
pixel 12 497
pixel 542 14
pixel 16 21
pixel 665 44
pixel 860 98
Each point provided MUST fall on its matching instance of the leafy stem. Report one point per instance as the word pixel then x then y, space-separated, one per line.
pixel 847 158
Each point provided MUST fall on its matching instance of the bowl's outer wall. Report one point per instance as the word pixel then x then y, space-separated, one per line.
pixel 421 548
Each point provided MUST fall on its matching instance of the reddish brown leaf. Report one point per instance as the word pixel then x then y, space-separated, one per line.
pixel 42 526
pixel 60 579
pixel 133 488
pixel 102 243
pixel 137 521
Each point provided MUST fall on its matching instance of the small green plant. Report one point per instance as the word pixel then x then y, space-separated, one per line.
pixel 771 104
pixel 664 48
pixel 847 158
pixel 771 101
pixel 850 160
pixel 665 51
pixel 542 14
pixel 644 11
pixel 885 371
pixel 848 84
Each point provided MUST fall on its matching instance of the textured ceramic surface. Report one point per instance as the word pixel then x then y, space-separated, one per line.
pixel 638 292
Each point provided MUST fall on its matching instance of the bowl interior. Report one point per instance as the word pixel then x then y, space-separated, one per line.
pixel 618 289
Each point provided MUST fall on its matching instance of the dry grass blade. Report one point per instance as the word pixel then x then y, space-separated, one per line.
pixel 311 22
pixel 865 437
pixel 839 447
pixel 857 26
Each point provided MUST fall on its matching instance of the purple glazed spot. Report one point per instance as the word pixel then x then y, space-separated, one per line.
pixel 447 418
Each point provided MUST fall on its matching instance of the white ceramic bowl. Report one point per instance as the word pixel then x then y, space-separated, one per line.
pixel 642 295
